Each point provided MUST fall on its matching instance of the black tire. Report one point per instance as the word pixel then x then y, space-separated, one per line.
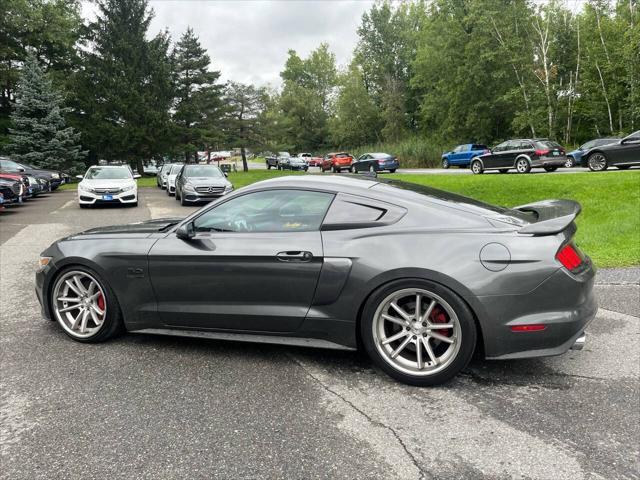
pixel 445 163
pixel 522 165
pixel 176 195
pixel 268 166
pixel 462 311
pixel 393 170
pixel 597 162
pixel 182 202
pixel 551 169
pixel 113 324
pixel 504 170
pixel 476 167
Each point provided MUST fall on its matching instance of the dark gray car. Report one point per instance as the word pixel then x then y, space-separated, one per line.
pixel 418 277
pixel 201 183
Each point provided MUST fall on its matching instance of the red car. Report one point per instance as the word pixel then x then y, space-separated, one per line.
pixel 336 162
pixel 311 160
pixel 24 182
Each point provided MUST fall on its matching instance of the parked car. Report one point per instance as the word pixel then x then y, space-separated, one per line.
pixel 11 190
pixel 201 183
pixel 293 163
pixel 275 160
pixel 161 177
pixel 108 185
pixel 35 188
pixel 575 157
pixel 171 178
pixel 508 282
pixel 521 154
pixel 54 178
pixel 22 179
pixel 311 160
pixel 461 155
pixel 336 162
pixel 623 154
pixel 150 170
pixel 375 162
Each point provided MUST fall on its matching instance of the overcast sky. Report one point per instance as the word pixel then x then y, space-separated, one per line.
pixel 248 40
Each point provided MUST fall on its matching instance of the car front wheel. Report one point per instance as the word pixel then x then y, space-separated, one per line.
pixel 445 163
pixel 418 332
pixel 570 163
pixel 85 306
pixel 597 162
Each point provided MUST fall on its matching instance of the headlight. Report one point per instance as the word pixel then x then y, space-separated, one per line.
pixel 44 261
pixel 126 189
pixel 188 187
pixel 84 188
pixel 228 188
pixel 55 175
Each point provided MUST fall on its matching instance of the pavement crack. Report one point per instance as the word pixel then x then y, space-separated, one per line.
pixel 423 475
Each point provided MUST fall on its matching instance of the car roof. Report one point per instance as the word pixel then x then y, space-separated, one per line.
pixel 109 166
pixel 379 154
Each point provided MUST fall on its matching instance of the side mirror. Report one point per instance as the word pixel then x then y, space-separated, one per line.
pixel 80 177
pixel 186 231
pixel 136 175
pixel 226 174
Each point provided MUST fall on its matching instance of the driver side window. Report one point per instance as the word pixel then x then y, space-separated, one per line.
pixel 267 211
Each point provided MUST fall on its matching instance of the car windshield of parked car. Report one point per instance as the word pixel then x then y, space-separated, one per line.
pixel 209 171
pixel 10 166
pixel 267 211
pixel 108 173
pixel 284 154
pixel 588 145
pixel 175 169
pixel 633 138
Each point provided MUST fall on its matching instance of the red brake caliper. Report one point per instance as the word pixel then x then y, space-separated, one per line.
pixel 438 315
pixel 101 302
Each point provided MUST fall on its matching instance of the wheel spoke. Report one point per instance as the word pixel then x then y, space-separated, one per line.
pixel 402 313
pixel 442 338
pixel 395 337
pixel 427 347
pixel 68 309
pixel 92 287
pixel 389 318
pixel 73 287
pixel 397 351
pixel 78 283
pixel 95 318
pixel 418 305
pixel 429 310
pixel 97 309
pixel 83 324
pixel 440 326
pixel 68 299
pixel 419 354
pixel 76 320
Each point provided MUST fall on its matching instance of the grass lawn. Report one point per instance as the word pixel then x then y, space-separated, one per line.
pixel 608 227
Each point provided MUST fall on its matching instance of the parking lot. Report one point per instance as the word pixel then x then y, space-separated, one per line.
pixel 156 407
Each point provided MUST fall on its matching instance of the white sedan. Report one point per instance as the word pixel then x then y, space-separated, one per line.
pixel 108 184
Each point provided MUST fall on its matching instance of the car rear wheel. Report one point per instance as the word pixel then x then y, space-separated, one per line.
pixel 570 163
pixel 85 306
pixel 476 167
pixel 597 162
pixel 418 332
pixel 372 169
pixel 523 165
pixel 445 163
pixel 550 169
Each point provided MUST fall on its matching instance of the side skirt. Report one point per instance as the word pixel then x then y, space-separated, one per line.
pixel 246 337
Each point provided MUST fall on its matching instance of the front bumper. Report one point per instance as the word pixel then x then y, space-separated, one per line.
pixel 564 303
pixel 196 197
pixel 90 198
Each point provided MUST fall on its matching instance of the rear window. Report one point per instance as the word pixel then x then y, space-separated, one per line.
pixel 342 155
pixel 478 147
pixel 546 144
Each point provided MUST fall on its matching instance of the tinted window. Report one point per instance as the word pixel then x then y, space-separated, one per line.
pixel 9 165
pixel 478 147
pixel 590 144
pixel 210 171
pixel 546 144
pixel 268 211
pixel 501 147
pixel 108 173
pixel 342 212
pixel 525 145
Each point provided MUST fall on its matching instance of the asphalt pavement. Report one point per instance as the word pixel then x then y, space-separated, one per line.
pixel 153 407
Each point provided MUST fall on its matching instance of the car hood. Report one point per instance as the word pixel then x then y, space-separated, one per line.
pixel 208 181
pixel 104 183
pixel 149 226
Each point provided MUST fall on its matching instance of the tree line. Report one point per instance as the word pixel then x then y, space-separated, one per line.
pixel 436 72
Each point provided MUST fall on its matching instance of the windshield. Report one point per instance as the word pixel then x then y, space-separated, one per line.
pixel 342 155
pixel 202 171
pixel 175 169
pixel 108 173
pixel 9 165
pixel 284 154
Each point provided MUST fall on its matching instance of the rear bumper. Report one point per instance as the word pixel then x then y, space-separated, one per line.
pixel 564 303
pixel 549 161
pixel 388 166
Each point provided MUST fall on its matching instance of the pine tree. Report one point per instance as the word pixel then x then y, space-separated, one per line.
pixel 198 96
pixel 41 137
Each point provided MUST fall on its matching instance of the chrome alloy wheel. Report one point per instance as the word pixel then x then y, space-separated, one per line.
pixel 597 162
pixel 416 332
pixel 522 166
pixel 476 167
pixel 79 304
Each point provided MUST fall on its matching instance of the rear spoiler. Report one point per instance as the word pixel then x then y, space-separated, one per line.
pixel 553 216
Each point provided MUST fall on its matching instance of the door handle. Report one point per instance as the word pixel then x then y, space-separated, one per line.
pixel 294 256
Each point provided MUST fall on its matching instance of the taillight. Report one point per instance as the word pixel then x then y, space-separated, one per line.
pixel 534 327
pixel 569 257
pixel 381 162
pixel 542 152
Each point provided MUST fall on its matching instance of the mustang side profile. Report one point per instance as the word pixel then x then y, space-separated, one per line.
pixel 456 275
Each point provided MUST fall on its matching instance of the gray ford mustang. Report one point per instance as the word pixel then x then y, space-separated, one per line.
pixel 418 277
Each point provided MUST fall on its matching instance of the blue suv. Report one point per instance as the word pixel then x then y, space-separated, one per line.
pixel 461 155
